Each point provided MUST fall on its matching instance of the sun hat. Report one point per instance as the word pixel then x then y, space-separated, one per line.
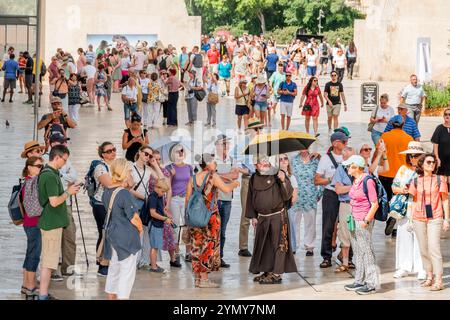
pixel 55 100
pixel 254 123
pixel 30 146
pixel 343 130
pixel 243 80
pixel 222 138
pixel 355 159
pixel 414 147
pixel 402 106
pixel 261 80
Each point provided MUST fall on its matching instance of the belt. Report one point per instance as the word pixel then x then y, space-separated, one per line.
pixel 347 201
pixel 270 214
pixel 179 196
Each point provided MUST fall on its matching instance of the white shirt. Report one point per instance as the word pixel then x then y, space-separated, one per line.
pixel 224 166
pixel 72 67
pixel 130 93
pixel 240 65
pixel 90 71
pixel 388 113
pixel 413 94
pixel 340 61
pixel 139 59
pixel 294 182
pixel 311 60
pixel 326 168
pixel 144 84
pixel 145 174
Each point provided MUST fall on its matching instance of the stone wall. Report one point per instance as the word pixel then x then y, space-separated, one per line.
pixel 387 38
pixel 68 22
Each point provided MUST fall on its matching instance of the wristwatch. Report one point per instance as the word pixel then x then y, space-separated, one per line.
pixel 67 193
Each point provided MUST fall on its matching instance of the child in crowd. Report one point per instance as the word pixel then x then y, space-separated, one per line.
pixel 303 71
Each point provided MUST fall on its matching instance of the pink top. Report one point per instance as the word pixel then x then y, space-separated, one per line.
pixel 27 221
pixel 432 195
pixel 173 84
pixel 358 199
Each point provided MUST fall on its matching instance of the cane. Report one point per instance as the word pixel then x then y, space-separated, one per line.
pixel 81 229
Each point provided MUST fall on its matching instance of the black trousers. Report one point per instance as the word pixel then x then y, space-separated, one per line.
pixel 330 214
pixel 171 112
pixel 99 212
pixel 350 64
pixel 387 184
pixel 340 73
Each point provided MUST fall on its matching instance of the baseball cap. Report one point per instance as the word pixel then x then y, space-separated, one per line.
pixel 343 130
pixel 222 138
pixel 355 159
pixel 396 119
pixel 58 137
pixel 339 136
pixel 55 100
pixel 136 118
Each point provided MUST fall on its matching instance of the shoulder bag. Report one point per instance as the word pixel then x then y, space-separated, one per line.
pixel 199 94
pixel 213 98
pixel 101 248
pixel 372 124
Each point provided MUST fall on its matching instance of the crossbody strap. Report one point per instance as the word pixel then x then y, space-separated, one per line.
pixel 142 179
pixel 333 160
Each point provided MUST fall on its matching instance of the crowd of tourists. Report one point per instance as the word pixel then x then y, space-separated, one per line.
pixel 143 206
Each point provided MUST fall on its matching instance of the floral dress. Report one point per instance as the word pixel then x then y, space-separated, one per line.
pixel 205 241
pixel 404 177
pixel 153 92
pixel 100 89
pixel 308 193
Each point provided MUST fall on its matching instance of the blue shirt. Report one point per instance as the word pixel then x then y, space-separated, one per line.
pixel 308 192
pixel 157 203
pixel 290 87
pixel 343 178
pixel 206 47
pixel 11 67
pixel 225 70
pixel 272 60
pixel 410 127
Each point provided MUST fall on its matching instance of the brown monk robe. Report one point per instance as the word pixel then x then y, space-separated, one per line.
pixel 272 253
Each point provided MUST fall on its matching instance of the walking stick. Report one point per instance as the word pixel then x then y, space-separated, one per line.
pixel 81 229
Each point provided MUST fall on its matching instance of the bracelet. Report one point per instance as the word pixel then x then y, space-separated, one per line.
pixel 447 219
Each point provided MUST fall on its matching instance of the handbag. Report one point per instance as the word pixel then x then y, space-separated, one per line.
pixel 213 98
pixel 200 95
pixel 351 223
pixel 398 206
pixel 372 124
pixel 101 248
pixel 307 107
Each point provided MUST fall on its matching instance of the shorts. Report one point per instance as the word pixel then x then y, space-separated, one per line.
pixel 242 110
pixel 51 248
pixel 9 84
pixel 260 106
pixel 156 237
pixel 21 72
pixel 312 71
pixel 335 110
pixel 29 80
pixel 343 233
pixel 128 109
pixel 286 108
pixel 323 60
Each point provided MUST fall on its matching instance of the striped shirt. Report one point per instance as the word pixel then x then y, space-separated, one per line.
pixel 410 127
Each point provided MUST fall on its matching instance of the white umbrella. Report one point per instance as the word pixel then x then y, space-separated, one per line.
pixel 164 146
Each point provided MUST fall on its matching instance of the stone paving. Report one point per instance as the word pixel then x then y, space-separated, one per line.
pixel 236 283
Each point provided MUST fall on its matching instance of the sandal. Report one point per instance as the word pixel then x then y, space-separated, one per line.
pixel 260 277
pixel 271 279
pixel 207 284
pixel 427 283
pixel 351 265
pixel 341 268
pixel 437 286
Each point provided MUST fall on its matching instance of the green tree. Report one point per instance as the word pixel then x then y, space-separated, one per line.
pixel 249 8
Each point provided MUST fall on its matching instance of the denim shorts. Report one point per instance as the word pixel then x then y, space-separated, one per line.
pixel 33 255
pixel 156 237
pixel 128 109
pixel 261 106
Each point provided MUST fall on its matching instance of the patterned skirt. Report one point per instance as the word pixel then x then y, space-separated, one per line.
pixel 206 246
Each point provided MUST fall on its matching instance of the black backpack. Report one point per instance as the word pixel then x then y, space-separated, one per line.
pixel 163 64
pixel 324 49
pixel 198 61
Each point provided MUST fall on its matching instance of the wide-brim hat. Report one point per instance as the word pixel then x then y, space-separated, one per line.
pixel 254 123
pixel 30 146
pixel 414 147
pixel 261 80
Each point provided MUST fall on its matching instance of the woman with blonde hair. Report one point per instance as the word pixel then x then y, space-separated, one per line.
pixel 122 232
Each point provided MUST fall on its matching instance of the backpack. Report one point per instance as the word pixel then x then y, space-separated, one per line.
pixel 31 198
pixel 383 202
pixel 197 214
pixel 198 61
pixel 163 64
pixel 89 181
pixel 43 69
pixel 14 204
pixel 324 50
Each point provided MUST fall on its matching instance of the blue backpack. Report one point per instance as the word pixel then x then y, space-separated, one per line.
pixel 89 181
pixel 383 202
pixel 197 214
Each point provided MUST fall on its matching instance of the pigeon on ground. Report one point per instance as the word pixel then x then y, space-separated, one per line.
pixel 7 123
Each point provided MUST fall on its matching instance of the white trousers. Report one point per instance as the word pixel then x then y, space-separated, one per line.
pixel 73 112
pixel 295 219
pixel 150 113
pixel 177 207
pixel 121 276
pixel 407 250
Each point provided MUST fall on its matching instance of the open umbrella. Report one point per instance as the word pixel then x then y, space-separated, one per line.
pixel 164 146
pixel 279 142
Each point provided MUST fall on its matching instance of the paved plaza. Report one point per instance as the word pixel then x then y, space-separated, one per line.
pixel 310 282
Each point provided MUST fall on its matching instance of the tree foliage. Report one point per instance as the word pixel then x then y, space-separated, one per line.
pixel 252 15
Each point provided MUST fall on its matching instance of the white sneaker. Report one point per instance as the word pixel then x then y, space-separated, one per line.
pixel 401 274
pixel 422 275
pixel 330 132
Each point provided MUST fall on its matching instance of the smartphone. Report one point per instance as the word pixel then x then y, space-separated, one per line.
pixel 174 226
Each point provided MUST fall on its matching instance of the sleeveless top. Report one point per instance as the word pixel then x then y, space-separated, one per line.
pixel 134 148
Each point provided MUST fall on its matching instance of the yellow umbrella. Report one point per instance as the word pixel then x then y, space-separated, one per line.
pixel 279 142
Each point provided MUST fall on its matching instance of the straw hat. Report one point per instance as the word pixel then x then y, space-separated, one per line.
pixel 254 123
pixel 30 146
pixel 414 147
pixel 261 80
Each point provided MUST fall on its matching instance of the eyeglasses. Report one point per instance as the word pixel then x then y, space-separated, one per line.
pixel 65 159
pixel 284 159
pixel 110 151
pixel 40 166
pixel 430 162
pixel 367 149
pixel 446 114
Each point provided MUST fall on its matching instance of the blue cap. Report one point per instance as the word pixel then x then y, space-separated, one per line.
pixel 339 136
pixel 398 119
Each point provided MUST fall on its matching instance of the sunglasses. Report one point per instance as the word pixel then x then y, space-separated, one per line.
pixel 315 80
pixel 284 159
pixel 148 155
pixel 110 151
pixel 367 149
pixel 430 162
pixel 446 114
pixel 334 75
pixel 40 166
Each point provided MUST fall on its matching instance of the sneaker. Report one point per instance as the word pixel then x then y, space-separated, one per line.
pixel 175 264
pixel 223 264
pixel 56 277
pixel 390 224
pixel 207 284
pixel 47 297
pixel 244 253
pixel 353 286
pixel 188 258
pixel 365 290
pixel 402 273
pixel 102 271
pixel 309 253
pixel 157 270
pixel 330 132
pixel 326 263
pixel 3 100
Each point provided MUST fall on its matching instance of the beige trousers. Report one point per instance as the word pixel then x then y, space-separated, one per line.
pixel 245 223
pixel 428 234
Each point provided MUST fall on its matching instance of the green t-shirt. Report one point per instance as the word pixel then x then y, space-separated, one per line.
pixel 275 80
pixel 50 185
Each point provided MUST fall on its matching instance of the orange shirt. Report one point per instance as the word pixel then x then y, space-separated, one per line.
pixel 432 196
pixel 396 141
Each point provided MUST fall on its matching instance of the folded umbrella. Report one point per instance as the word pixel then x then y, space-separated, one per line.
pixel 279 142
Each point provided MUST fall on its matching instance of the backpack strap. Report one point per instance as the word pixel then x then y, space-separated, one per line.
pixel 365 188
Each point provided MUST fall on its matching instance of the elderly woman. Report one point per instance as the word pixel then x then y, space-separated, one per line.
pixel 268 195
pixel 205 241
pixel 122 232
pixel 431 215
pixel 363 212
